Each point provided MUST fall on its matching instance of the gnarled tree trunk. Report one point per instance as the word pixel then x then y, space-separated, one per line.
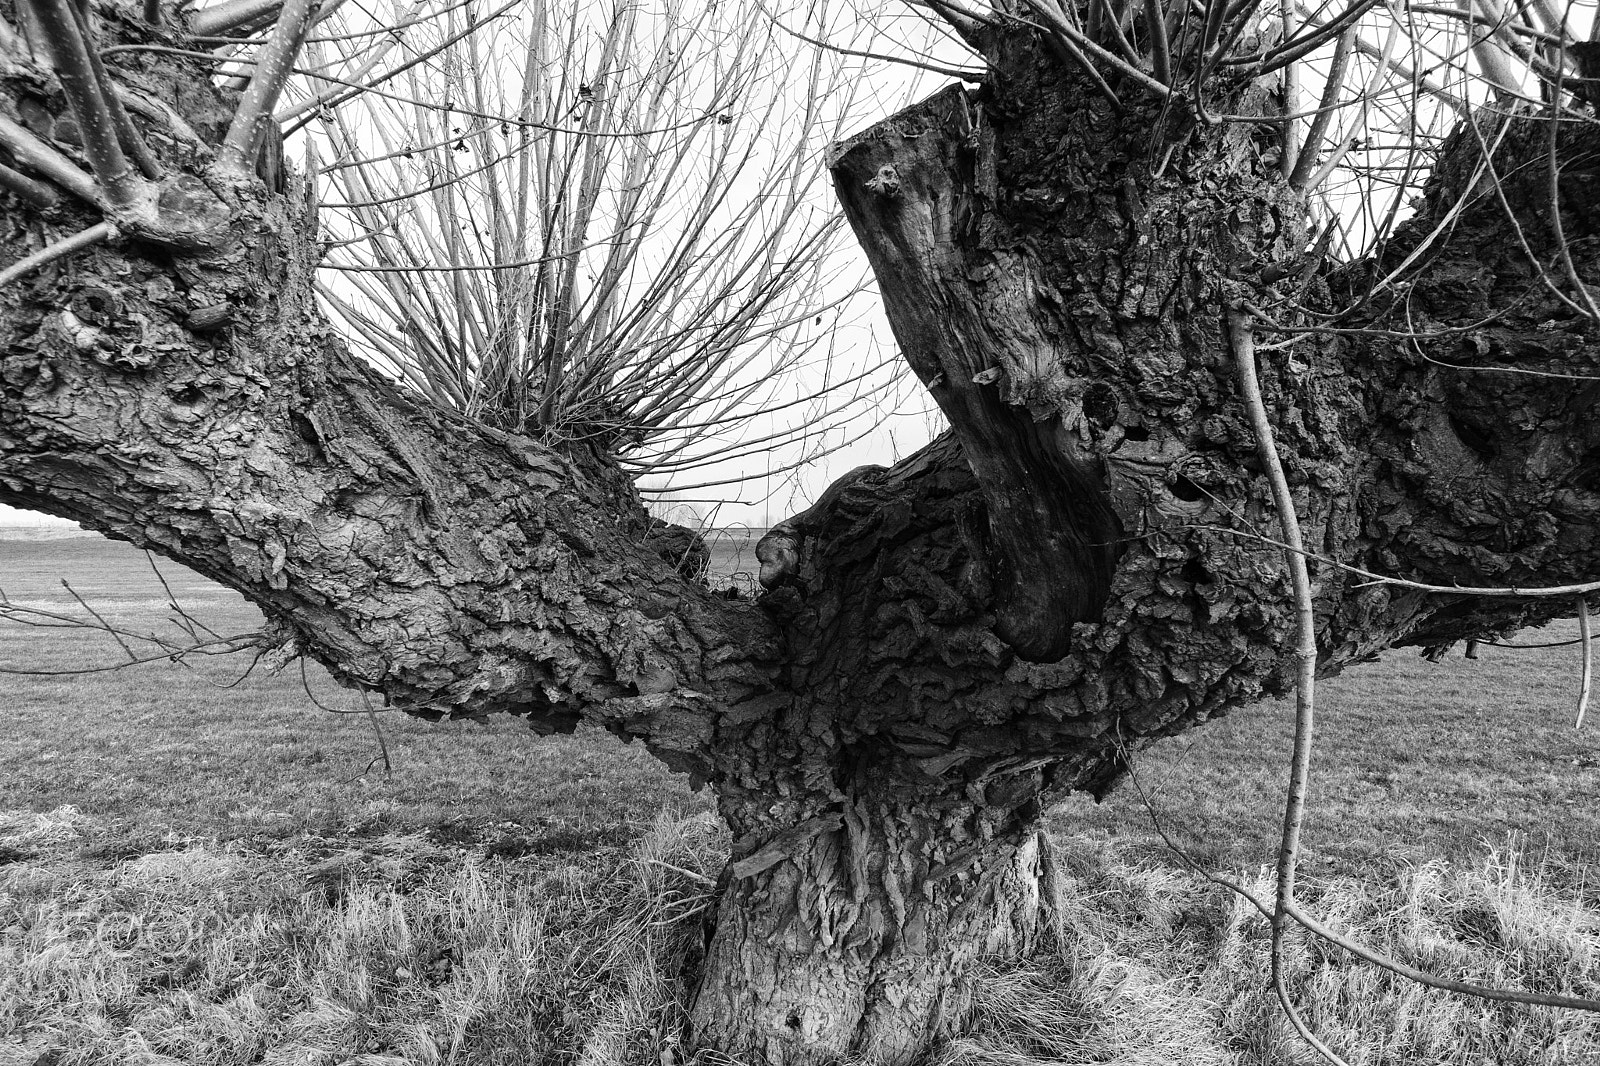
pixel 853 932
pixel 1081 566
pixel 1086 562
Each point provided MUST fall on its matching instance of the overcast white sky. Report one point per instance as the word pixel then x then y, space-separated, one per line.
pixel 10 516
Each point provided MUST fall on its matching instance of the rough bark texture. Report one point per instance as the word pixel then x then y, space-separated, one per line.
pixel 195 402
pixel 1075 570
pixel 1099 504
pixel 853 932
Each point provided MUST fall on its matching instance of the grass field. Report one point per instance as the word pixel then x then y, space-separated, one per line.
pixel 197 873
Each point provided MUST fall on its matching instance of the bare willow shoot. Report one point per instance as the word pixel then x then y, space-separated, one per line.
pixel 595 222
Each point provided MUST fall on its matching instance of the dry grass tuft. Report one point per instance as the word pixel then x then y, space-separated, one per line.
pixel 226 957
pixel 397 951
pixel 1155 966
pixel 26 830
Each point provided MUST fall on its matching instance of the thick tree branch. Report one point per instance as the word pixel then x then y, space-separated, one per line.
pixel 459 570
pixel 916 190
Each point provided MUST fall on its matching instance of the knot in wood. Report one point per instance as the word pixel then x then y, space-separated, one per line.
pixel 779 555
pixel 210 318
pixel 886 182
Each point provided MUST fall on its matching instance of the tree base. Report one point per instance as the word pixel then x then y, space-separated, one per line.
pixel 861 944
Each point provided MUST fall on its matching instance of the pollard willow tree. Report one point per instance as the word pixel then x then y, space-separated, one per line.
pixel 1076 257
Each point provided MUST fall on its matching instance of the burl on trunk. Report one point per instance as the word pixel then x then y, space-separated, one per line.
pixel 1085 562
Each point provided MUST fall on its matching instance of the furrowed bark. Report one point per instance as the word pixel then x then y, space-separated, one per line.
pixel 1066 304
pixel 979 350
pixel 856 935
pixel 457 570
pixel 195 402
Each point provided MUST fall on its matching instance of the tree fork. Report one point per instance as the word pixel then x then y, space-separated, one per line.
pixel 1077 570
pixel 1037 264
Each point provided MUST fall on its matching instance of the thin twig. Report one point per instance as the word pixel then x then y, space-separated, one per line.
pixel 1502 592
pixel 1291 50
pixel 377 730
pixel 273 65
pixel 1588 660
pixel 949 72
pixel 101 231
pixel 189 620
pixel 1242 338
pixel 1528 647
pixel 302 113
pixel 16 612
pixel 701 878
pixel 106 626
pixel 1501 995
pixel 242 642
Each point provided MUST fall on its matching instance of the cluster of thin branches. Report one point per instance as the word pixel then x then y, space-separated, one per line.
pixel 593 222
pixel 123 177
pixel 563 220
pixel 1365 90
pixel 197 639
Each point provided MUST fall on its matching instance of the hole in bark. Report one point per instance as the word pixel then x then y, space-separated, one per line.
pixel 793 1021
pixel 1587 475
pixel 1195 572
pixel 1474 437
pixel 1135 433
pixel 1186 490
pixel 1100 404
pixel 96 305
pixel 307 432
